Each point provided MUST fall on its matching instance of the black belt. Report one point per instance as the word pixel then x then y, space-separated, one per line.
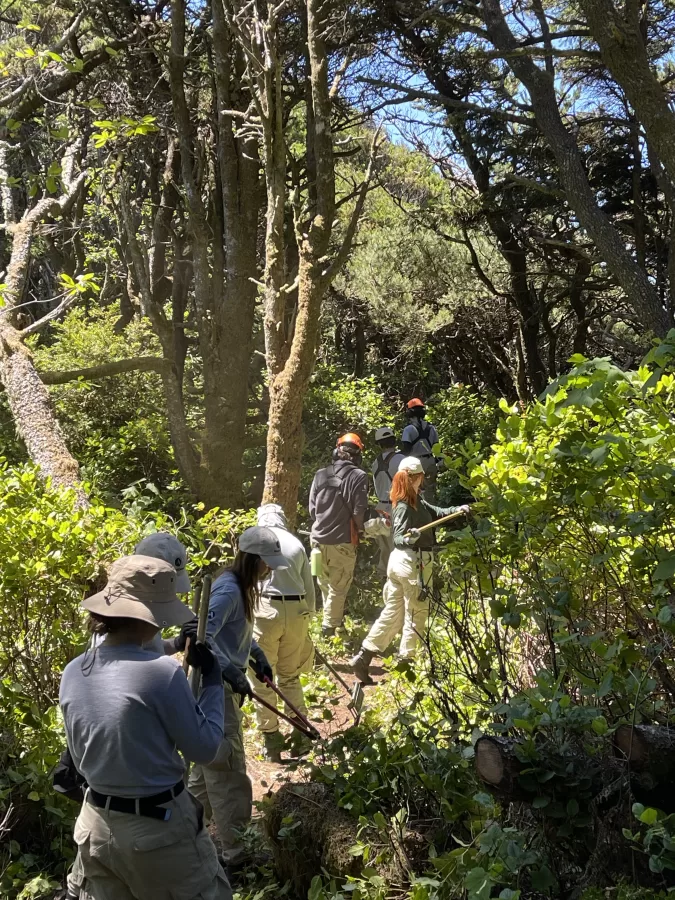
pixel 150 807
pixel 284 596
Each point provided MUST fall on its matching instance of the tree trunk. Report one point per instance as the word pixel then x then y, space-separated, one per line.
pixel 287 393
pixel 27 396
pixel 624 53
pixel 34 417
pixel 541 88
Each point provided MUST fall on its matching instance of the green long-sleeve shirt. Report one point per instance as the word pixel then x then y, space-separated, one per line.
pixel 405 517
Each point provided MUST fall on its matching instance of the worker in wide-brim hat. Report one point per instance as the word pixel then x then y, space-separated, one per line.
pixel 406 597
pixel 131 720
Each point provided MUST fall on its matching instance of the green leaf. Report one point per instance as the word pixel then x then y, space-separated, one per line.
pixel 34 796
pixel 649 816
pixel 572 807
pixel 665 615
pixel 541 801
pixel 599 725
pixel 666 568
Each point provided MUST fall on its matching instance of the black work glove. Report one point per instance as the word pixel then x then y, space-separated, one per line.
pixel 260 665
pixel 199 656
pixel 189 630
pixel 237 681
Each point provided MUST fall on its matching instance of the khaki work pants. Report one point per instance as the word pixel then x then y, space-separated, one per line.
pixel 406 607
pixel 337 571
pixel 281 630
pixel 223 787
pixel 127 857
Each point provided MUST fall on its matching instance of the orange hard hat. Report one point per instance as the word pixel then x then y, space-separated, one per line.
pixel 415 402
pixel 350 438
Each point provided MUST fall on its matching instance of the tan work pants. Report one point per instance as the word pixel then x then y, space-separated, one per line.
pixel 406 607
pixel 337 571
pixel 281 630
pixel 127 857
pixel 223 787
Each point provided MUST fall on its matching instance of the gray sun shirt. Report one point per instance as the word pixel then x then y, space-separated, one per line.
pixel 129 713
pixel 229 632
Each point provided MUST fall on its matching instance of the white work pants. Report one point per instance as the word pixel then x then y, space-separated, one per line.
pixel 406 605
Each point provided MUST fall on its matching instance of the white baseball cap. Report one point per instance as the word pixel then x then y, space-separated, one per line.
pixel 411 464
pixel 265 544
pixel 162 545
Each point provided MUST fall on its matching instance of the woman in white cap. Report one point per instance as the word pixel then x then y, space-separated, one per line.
pixel 222 785
pixel 406 604
pixel 129 714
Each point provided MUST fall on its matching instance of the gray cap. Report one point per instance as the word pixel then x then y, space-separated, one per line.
pixel 384 434
pixel 162 545
pixel 265 544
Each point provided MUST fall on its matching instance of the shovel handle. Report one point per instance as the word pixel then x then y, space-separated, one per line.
pixel 195 674
pixel 310 732
pixel 299 716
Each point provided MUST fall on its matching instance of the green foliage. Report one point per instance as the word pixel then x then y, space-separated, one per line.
pixel 466 423
pixel 336 403
pixel 116 426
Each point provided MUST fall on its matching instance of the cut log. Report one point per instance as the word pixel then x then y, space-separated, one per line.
pixel 497 766
pixel 648 748
pixel 650 753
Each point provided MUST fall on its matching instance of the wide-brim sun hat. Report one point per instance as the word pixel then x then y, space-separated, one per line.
pixel 264 543
pixel 141 587
pixel 412 465
pixel 163 545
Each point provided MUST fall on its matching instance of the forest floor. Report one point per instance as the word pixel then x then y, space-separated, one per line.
pixel 327 702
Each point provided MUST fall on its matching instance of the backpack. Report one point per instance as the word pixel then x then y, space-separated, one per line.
pixel 428 460
pixel 334 482
pixel 382 468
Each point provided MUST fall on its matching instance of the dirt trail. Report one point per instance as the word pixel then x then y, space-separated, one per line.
pixel 268 777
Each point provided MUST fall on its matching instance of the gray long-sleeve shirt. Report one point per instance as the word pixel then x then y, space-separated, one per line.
pixel 227 629
pixel 332 510
pixel 129 713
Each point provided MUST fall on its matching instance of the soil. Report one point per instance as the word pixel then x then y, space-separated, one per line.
pixel 267 777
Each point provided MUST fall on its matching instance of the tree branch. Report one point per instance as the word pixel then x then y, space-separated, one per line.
pixel 105 370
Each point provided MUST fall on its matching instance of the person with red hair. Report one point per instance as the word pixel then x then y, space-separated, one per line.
pixel 406 604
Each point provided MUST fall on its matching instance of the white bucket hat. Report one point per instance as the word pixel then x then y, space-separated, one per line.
pixel 162 545
pixel 411 464
pixel 141 587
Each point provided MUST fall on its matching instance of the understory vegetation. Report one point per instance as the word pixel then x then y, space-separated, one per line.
pixel 552 627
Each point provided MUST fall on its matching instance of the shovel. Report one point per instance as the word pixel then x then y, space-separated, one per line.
pixel 356 693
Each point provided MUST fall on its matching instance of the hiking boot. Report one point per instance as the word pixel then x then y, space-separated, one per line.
pixel 328 632
pixel 361 665
pixel 299 744
pixel 274 744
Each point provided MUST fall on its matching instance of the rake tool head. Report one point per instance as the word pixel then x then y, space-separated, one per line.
pixel 356 701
